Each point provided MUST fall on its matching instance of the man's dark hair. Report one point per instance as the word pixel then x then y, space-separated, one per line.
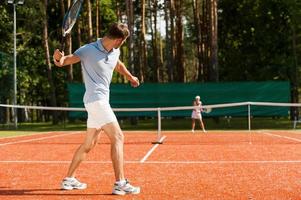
pixel 118 30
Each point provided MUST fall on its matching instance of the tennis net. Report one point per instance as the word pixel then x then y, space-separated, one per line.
pixel 237 116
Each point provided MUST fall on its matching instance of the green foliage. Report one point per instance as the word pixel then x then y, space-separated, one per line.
pixel 108 14
pixel 255 43
pixel 6 28
pixel 32 89
pixel 254 40
pixel 6 76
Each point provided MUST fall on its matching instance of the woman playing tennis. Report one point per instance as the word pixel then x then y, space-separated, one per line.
pixel 197 114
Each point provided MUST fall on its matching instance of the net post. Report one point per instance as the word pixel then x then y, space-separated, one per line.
pixel 249 122
pixel 249 116
pixel 159 128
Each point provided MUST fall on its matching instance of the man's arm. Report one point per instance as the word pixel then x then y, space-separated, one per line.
pixel 61 60
pixel 120 68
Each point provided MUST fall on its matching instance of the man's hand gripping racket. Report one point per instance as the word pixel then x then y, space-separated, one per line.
pixel 70 19
pixel 67 25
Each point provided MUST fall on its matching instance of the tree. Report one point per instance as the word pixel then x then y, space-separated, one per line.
pixel 179 58
pixel 5 79
pixel 130 21
pixel 197 24
pixel 98 19
pixel 170 39
pixel 143 48
pixel 48 62
pixel 295 17
pixel 213 72
pixel 154 34
pixel 90 28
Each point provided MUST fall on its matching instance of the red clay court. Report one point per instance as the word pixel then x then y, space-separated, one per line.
pixel 217 165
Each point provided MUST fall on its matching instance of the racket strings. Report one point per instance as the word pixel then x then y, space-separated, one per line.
pixel 71 17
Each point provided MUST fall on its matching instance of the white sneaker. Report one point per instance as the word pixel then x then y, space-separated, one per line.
pixel 72 183
pixel 127 188
pixel 192 131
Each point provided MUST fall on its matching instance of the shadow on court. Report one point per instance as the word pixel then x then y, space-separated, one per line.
pixel 45 192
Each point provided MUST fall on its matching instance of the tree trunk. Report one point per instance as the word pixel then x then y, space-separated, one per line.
pixel 168 50
pixel 49 68
pixel 205 38
pixel 130 17
pixel 143 48
pixel 208 40
pixel 79 33
pixel 295 77
pixel 155 43
pixel 213 41
pixel 161 56
pixel 97 18
pixel 118 12
pixel 62 8
pixel 180 43
pixel 170 40
pixel 90 28
pixel 197 24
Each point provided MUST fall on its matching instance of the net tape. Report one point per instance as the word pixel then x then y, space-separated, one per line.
pixel 160 108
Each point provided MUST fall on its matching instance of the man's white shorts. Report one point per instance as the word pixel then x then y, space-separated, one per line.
pixel 99 114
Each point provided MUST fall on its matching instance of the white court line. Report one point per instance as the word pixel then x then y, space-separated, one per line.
pixel 41 138
pixel 29 134
pixel 227 162
pixel 55 162
pixel 281 136
pixel 158 162
pixel 151 150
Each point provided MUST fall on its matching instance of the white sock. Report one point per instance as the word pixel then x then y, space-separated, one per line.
pixel 121 182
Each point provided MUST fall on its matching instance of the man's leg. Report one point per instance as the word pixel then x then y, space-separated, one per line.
pixel 116 137
pixel 122 185
pixel 83 150
pixel 70 182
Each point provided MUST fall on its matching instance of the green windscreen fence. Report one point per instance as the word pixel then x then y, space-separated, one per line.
pixel 153 95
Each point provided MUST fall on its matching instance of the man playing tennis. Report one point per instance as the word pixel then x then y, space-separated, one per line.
pixel 196 114
pixel 99 59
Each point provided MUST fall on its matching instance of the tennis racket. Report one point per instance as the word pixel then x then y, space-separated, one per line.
pixel 207 110
pixel 70 19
